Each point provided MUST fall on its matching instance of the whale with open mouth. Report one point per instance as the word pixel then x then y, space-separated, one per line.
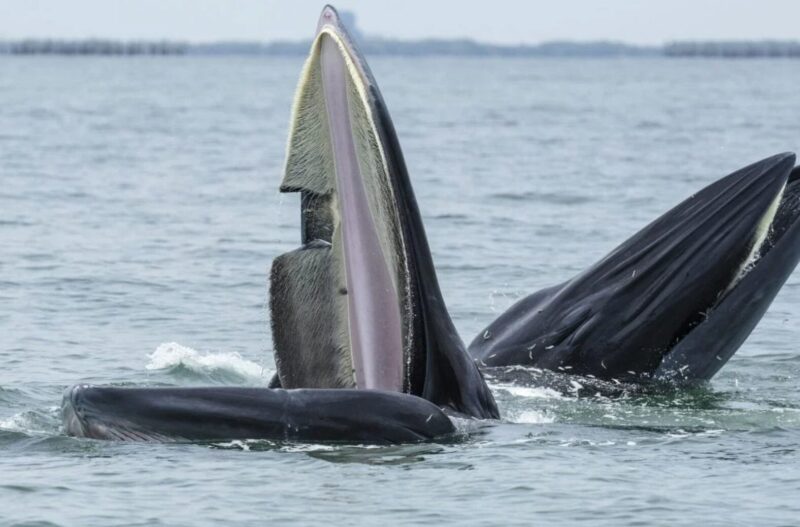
pixel 676 300
pixel 364 346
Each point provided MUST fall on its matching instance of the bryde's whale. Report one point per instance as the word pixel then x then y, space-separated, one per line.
pixel 676 300
pixel 364 346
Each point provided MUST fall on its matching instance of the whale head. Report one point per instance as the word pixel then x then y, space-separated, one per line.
pixel 358 305
pixel 674 301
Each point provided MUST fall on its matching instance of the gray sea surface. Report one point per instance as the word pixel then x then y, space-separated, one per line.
pixel 139 214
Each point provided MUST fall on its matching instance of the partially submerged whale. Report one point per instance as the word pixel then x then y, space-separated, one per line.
pixel 365 348
pixel 676 300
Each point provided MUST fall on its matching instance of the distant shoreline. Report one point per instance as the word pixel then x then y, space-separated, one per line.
pixel 417 48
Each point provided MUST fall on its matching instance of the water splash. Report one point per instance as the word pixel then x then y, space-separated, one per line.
pixel 33 422
pixel 532 417
pixel 530 392
pixel 172 356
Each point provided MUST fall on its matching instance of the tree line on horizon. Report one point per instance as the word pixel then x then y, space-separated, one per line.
pixel 734 49
pixel 92 47
pixel 378 46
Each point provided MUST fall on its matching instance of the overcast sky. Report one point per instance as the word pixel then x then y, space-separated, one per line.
pixel 503 21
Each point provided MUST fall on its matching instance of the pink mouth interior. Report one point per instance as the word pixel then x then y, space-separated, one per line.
pixel 373 309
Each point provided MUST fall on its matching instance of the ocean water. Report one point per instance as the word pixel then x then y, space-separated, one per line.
pixel 139 215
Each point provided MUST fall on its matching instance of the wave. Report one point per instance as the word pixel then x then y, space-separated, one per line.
pixel 33 422
pixel 551 198
pixel 174 358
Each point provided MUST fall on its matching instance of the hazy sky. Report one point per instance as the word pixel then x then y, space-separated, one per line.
pixel 507 21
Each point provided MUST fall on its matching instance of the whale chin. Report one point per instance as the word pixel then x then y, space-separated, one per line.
pixel 676 300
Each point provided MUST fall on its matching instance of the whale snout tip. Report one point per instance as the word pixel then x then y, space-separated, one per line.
pixel 72 415
pixel 328 16
pixel 785 160
pixel 329 12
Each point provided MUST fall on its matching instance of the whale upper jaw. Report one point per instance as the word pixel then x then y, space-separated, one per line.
pixel 358 305
pixel 210 414
pixel 674 301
